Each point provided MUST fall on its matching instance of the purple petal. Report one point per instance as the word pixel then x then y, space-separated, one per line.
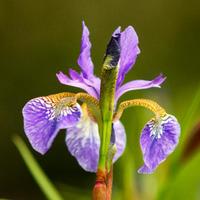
pixel 75 75
pixel 95 84
pixel 76 80
pixel 138 85
pixel 84 59
pixel 129 52
pixel 158 139
pixel 120 139
pixel 86 80
pixel 45 116
pixel 83 142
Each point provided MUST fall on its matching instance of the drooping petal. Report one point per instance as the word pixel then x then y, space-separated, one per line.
pixel 77 81
pixel 83 142
pixel 138 85
pixel 158 139
pixel 84 59
pixel 129 52
pixel 120 139
pixel 45 116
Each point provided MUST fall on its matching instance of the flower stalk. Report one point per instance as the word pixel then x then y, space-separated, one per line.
pixel 107 97
pixel 107 103
pixel 103 186
pixel 100 187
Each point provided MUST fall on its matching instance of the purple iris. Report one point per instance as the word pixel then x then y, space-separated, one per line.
pixel 45 116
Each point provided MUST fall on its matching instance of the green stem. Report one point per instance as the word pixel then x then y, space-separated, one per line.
pixel 105 142
pixel 40 177
pixel 107 97
pixel 107 104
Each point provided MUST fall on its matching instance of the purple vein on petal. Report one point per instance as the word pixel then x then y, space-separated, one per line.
pixel 157 141
pixel 45 116
pixel 77 81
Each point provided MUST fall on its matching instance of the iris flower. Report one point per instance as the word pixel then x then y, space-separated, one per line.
pixel 81 115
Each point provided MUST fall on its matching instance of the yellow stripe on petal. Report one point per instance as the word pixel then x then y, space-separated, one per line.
pixel 147 103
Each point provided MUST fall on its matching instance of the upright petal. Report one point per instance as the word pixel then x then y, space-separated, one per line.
pixel 83 142
pixel 84 59
pixel 76 80
pixel 86 80
pixel 120 139
pixel 129 52
pixel 45 116
pixel 158 139
pixel 138 85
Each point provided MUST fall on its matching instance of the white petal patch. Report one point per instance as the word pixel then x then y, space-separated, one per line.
pixel 83 142
pixel 120 139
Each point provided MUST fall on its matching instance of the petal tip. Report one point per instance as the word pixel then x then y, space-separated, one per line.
pixel 117 32
pixel 159 79
pixel 85 32
pixel 60 73
pixel 62 78
pixel 145 170
pixel 40 151
pixel 83 23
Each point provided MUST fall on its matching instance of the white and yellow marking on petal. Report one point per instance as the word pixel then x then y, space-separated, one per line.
pixel 56 104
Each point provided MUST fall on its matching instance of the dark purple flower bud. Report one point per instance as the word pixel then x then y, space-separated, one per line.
pixel 113 49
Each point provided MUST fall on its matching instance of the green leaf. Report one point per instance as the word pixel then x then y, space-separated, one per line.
pixel 176 165
pixel 38 174
pixel 192 145
pixel 186 125
pixel 193 107
pixel 71 192
pixel 186 185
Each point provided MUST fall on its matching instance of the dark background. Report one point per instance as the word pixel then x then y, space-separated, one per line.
pixel 39 38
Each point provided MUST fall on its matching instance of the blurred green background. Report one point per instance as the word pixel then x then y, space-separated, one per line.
pixel 39 38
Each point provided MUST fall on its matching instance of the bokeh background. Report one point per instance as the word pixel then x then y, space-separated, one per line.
pixel 39 38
